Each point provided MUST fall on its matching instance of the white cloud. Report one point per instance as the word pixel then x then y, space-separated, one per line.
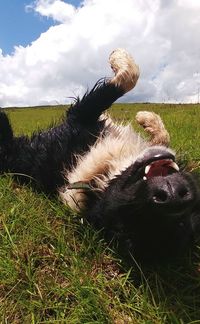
pixel 58 10
pixel 163 36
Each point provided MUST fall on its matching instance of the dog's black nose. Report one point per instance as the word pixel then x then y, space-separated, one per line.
pixel 170 191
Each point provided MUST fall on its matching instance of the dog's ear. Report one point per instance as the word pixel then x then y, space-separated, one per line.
pixel 6 133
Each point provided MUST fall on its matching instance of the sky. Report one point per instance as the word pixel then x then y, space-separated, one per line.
pixel 53 50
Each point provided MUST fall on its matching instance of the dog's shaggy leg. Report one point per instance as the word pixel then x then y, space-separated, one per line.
pixel 87 110
pixel 152 123
pixel 125 69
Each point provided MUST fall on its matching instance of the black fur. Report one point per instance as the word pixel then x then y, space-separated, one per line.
pixel 42 158
pixel 152 219
pixel 147 230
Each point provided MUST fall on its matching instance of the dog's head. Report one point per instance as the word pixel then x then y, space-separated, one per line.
pixel 152 208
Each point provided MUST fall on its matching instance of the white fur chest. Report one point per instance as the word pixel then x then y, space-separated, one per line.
pixel 108 157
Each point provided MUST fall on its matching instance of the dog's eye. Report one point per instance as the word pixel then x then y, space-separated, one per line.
pixel 160 168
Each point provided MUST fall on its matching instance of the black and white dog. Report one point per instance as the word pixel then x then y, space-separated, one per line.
pixel 130 187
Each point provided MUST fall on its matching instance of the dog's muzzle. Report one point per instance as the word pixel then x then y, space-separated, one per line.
pixel 170 191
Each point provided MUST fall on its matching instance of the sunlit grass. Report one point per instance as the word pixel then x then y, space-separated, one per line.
pixel 54 268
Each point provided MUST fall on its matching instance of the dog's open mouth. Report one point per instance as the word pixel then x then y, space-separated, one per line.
pixel 156 162
pixel 161 168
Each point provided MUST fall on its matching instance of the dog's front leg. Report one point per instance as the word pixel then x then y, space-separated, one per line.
pixel 153 125
pixel 87 110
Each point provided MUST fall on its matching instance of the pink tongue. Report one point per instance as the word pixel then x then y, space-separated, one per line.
pixel 159 168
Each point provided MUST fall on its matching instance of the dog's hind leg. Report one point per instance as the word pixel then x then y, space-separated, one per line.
pixel 153 125
pixel 87 110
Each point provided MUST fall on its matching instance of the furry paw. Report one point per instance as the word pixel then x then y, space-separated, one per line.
pixel 125 69
pixel 152 123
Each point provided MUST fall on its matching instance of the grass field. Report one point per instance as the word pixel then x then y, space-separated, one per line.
pixel 54 268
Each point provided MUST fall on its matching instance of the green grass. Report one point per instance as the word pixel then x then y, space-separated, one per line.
pixel 54 268
pixel 182 121
pixel 29 120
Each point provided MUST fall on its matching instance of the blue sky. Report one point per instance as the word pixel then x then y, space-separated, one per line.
pixel 57 49
pixel 19 26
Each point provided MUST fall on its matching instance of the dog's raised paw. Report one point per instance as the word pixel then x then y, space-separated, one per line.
pixel 125 69
pixel 153 124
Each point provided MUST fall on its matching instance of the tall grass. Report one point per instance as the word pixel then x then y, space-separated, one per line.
pixel 55 268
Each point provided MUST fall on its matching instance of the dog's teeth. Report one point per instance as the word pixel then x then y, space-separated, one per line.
pixel 148 167
pixel 144 178
pixel 174 166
